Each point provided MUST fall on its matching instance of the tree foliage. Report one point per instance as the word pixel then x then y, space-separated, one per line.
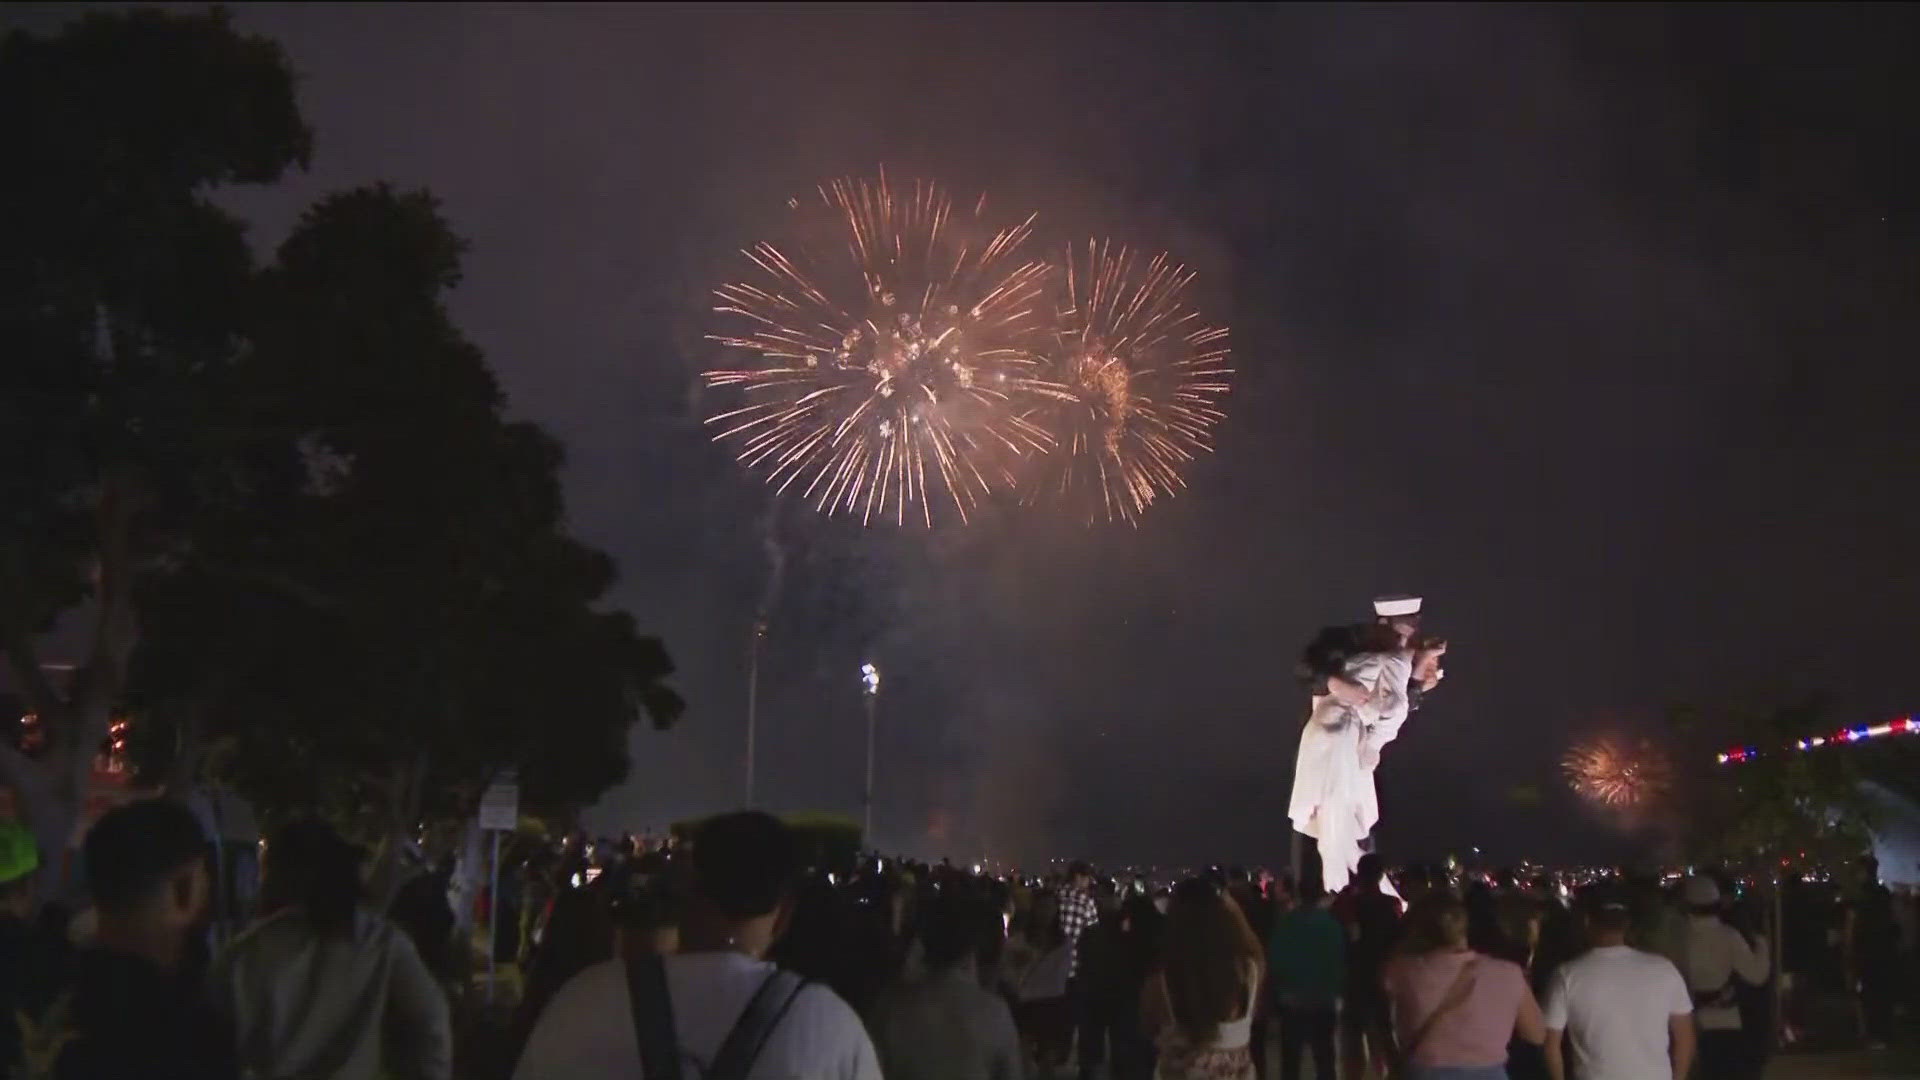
pixel 315 555
pixel 122 297
pixel 1783 808
pixel 407 610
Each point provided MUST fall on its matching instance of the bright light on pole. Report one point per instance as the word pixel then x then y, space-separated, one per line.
pixel 870 680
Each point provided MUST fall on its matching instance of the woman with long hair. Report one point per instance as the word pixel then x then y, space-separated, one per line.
pixel 1139 953
pixel 1199 1001
pixel 324 986
pixel 1454 1009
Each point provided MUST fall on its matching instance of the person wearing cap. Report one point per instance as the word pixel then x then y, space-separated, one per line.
pixel 1368 680
pixel 1617 1013
pixel 1321 663
pixel 1715 958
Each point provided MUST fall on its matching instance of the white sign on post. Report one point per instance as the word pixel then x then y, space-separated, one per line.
pixel 499 812
pixel 500 806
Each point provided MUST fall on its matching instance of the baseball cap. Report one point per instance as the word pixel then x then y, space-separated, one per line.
pixel 1701 892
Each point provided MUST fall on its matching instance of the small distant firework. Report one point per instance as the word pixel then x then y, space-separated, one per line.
pixel 1133 381
pixel 898 353
pixel 1618 773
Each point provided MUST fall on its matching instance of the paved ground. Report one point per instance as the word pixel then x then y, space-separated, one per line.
pixel 1846 1064
pixel 1826 1065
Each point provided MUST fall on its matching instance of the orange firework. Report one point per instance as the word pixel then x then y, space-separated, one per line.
pixel 1134 379
pixel 1618 773
pixel 898 353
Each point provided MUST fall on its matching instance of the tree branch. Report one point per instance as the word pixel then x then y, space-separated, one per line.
pixel 114 627
pixel 17 771
pixel 24 661
pixel 284 584
pixel 98 682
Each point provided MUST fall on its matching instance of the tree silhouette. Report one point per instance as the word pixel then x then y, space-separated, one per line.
pixel 396 612
pixel 122 293
pixel 1782 810
pixel 313 553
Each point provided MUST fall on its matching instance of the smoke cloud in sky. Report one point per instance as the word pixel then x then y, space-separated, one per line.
pixel 1594 325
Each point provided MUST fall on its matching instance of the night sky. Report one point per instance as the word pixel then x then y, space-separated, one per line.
pixel 1595 326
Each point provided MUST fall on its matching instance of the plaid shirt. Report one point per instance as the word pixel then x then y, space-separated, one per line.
pixel 1077 912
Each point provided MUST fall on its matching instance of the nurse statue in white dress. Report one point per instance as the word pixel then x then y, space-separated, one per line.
pixel 1374 677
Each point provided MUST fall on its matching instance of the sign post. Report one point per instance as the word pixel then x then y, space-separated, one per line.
pixel 499 813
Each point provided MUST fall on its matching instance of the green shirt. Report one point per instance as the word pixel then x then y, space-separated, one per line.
pixel 1307 958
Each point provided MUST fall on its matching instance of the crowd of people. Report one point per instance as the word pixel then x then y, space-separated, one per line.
pixel 959 973
pixel 732 957
pixel 320 986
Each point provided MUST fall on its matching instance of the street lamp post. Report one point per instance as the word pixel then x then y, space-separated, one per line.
pixel 753 700
pixel 870 680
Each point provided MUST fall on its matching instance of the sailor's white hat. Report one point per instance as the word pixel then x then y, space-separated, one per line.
pixel 1388 607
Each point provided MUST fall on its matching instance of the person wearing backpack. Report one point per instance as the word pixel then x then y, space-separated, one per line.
pixel 716 1010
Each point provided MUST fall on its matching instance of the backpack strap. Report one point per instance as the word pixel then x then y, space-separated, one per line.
pixel 1725 996
pixel 1455 997
pixel 653 1018
pixel 750 1033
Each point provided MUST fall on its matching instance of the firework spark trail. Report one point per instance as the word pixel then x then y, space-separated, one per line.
pixel 1618 774
pixel 1134 377
pixel 896 358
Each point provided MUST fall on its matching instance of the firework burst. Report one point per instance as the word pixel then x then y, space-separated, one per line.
pixel 898 353
pixel 1133 381
pixel 1618 773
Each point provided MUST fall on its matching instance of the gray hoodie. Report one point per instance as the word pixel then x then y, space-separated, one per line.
pixel 349 1006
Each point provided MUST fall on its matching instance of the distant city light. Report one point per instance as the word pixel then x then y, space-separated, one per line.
pixel 1905 725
